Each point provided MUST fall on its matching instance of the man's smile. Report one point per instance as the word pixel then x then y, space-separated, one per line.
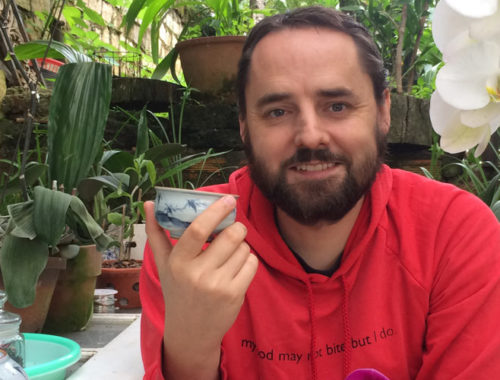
pixel 314 169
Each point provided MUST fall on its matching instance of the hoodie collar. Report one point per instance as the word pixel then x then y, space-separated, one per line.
pixel 256 212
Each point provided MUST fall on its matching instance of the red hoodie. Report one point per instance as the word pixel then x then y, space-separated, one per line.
pixel 417 294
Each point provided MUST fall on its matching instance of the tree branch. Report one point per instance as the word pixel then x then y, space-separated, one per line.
pixel 411 75
pixel 398 64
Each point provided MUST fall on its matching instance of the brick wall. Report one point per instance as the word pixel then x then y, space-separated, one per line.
pixel 113 16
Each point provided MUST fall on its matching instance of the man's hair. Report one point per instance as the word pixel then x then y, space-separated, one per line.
pixel 315 17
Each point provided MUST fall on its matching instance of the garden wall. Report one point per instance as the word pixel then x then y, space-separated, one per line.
pixel 210 123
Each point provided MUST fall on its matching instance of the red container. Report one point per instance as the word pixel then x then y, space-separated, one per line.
pixel 50 64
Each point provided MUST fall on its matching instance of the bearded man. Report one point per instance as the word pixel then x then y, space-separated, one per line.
pixel 336 262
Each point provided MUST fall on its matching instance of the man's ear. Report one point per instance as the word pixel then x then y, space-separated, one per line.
pixel 243 127
pixel 384 112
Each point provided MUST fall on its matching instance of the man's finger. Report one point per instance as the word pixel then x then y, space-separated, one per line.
pixel 196 235
pixel 158 241
pixel 224 245
pixel 244 277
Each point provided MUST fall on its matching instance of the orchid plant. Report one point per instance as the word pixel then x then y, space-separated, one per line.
pixel 465 108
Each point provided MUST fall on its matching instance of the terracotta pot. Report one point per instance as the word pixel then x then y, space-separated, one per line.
pixel 73 300
pixel 210 64
pixel 33 317
pixel 125 281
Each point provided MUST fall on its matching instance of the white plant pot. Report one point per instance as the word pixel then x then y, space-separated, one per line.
pixel 140 239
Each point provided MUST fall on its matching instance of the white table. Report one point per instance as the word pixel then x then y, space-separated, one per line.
pixel 119 359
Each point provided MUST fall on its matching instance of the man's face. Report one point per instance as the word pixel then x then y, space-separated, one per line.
pixel 313 131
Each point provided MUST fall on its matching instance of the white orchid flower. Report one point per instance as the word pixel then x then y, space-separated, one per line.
pixel 462 130
pixel 470 79
pixel 476 9
pixel 450 30
pixel 454 29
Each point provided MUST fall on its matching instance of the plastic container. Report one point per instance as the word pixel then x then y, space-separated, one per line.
pixel 50 64
pixel 48 356
pixel 104 300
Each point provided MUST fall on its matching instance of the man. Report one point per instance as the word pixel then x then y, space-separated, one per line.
pixel 336 262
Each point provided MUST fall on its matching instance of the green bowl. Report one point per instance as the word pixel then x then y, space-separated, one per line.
pixel 48 356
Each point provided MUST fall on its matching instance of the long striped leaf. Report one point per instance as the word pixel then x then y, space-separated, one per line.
pixel 82 223
pixel 22 261
pixel 142 144
pixel 21 220
pixel 49 215
pixel 77 118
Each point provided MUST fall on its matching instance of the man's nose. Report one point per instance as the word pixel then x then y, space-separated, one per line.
pixel 311 132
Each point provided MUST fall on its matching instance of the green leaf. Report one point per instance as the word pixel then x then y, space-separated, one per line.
pixel 93 15
pixel 155 40
pixel 491 193
pixel 33 172
pixel 21 222
pixel 77 118
pixel 32 50
pixel 160 152
pixel 72 15
pixel 166 64
pixel 22 261
pixel 139 205
pixel 115 218
pixel 427 173
pixel 115 154
pixel 58 50
pixel 142 144
pixel 89 187
pixel 49 215
pixel 150 167
pixel 496 210
pixel 86 228
pixel 181 165
pixel 156 9
pixel 117 161
pixel 132 13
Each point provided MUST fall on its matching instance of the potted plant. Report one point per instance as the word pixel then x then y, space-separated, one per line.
pixel 38 227
pixel 122 180
pixel 210 44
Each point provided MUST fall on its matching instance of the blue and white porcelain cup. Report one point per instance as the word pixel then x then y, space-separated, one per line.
pixel 175 209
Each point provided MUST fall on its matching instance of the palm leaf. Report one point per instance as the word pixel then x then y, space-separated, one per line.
pixel 38 48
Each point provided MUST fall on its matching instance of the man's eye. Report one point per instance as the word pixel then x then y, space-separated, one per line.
pixel 277 113
pixel 337 107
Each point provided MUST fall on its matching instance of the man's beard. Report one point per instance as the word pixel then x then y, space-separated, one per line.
pixel 325 200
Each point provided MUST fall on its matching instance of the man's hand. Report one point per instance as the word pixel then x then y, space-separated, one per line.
pixel 203 290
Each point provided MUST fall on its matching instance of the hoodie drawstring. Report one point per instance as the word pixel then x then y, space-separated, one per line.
pixel 347 328
pixel 312 316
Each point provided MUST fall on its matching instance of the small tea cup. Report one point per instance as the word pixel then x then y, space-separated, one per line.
pixel 175 209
